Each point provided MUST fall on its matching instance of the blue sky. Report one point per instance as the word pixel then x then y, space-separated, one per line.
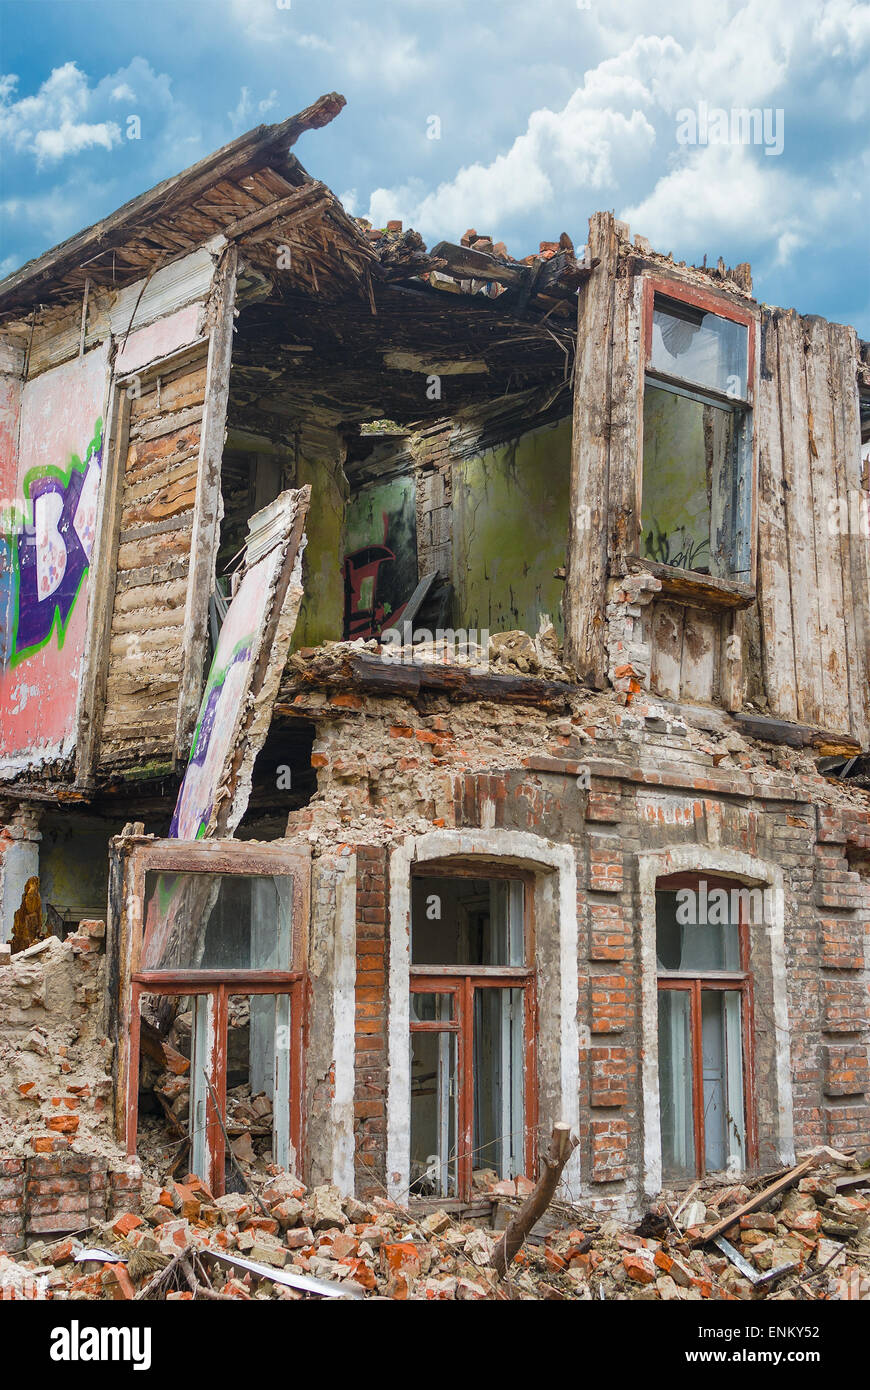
pixel 548 110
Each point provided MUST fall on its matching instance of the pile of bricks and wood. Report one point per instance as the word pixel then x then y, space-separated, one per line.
pixel 801 1234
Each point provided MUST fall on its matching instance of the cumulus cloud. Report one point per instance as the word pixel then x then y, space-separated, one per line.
pixel 578 147
pixel 49 124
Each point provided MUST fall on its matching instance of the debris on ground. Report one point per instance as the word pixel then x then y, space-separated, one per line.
pixel 807 1238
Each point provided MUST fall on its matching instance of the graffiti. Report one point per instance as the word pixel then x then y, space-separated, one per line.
pixel 45 555
pixel 380 569
pixel 224 692
pixel 364 612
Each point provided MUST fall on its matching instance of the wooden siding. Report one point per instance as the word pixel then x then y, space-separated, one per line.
pixel 157 506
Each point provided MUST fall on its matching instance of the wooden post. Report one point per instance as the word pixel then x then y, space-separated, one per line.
pixel 562 1145
pixel 205 534
pixel 586 575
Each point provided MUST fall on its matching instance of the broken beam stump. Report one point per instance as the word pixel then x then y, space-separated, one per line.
pixel 562 1145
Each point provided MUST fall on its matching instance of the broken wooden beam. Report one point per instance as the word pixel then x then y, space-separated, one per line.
pixel 372 675
pixel 780 1185
pixel 768 730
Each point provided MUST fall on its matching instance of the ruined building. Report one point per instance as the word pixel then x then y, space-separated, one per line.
pixel 507 621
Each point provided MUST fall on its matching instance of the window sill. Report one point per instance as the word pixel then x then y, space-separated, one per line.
pixel 702 590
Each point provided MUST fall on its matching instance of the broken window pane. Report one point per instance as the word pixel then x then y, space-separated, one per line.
pixel 676 1082
pixel 258 1081
pixel 693 503
pixel 698 929
pixel 499 1112
pixel 467 921
pixel 434 1093
pixel 431 1008
pixel 199 921
pixel 699 347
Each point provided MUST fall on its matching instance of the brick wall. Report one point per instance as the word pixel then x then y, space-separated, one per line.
pixel 51 1195
pixel 370 1089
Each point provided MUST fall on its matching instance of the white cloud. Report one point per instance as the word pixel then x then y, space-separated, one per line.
pixel 49 124
pixel 579 147
pixel 123 92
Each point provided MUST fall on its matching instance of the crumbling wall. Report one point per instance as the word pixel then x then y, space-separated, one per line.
pixel 391 768
pixel 59 1165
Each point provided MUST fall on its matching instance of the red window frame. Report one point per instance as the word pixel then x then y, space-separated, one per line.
pixel 693 983
pixel 226 857
pixel 461 982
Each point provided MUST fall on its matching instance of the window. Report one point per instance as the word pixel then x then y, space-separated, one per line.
pixel 471 1023
pixel 696 485
pixel 704 1027
pixel 216 1000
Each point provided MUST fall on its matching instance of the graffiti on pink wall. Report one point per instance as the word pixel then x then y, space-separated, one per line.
pixel 51 460
pixel 48 554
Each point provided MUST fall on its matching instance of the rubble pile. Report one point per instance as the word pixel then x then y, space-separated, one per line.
pixel 809 1240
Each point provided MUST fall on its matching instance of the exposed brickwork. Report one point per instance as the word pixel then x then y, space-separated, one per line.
pixel 370 1090
pixel 609 1144
pixel 49 1195
pixel 613 1070
pixel 847 1072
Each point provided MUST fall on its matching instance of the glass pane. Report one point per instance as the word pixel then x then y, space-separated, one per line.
pixel 431 1008
pixel 434 1092
pixel 499 1110
pixel 467 921
pixel 722 1050
pixel 675 1083
pixel 198 921
pixel 690 483
pixel 699 347
pixel 697 929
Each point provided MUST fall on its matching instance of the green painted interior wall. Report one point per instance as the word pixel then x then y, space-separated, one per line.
pixel 74 866
pixel 385 514
pixel 322 612
pixel 675 511
pixel 510 531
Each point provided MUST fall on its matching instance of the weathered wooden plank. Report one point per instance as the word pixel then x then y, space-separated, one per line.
pixel 145 458
pixel 169 474
pixel 148 617
pixel 823 392
pixel 700 656
pixel 178 392
pixel 205 535
pixel 167 594
pixel 142 644
pixel 170 500
pixel 132 555
pixel 770 730
pixel 586 575
pixel 131 580
pixel 774 583
pixel 168 423
pixel 626 444
pixel 667 649
pixel 853 528
pixel 800 526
